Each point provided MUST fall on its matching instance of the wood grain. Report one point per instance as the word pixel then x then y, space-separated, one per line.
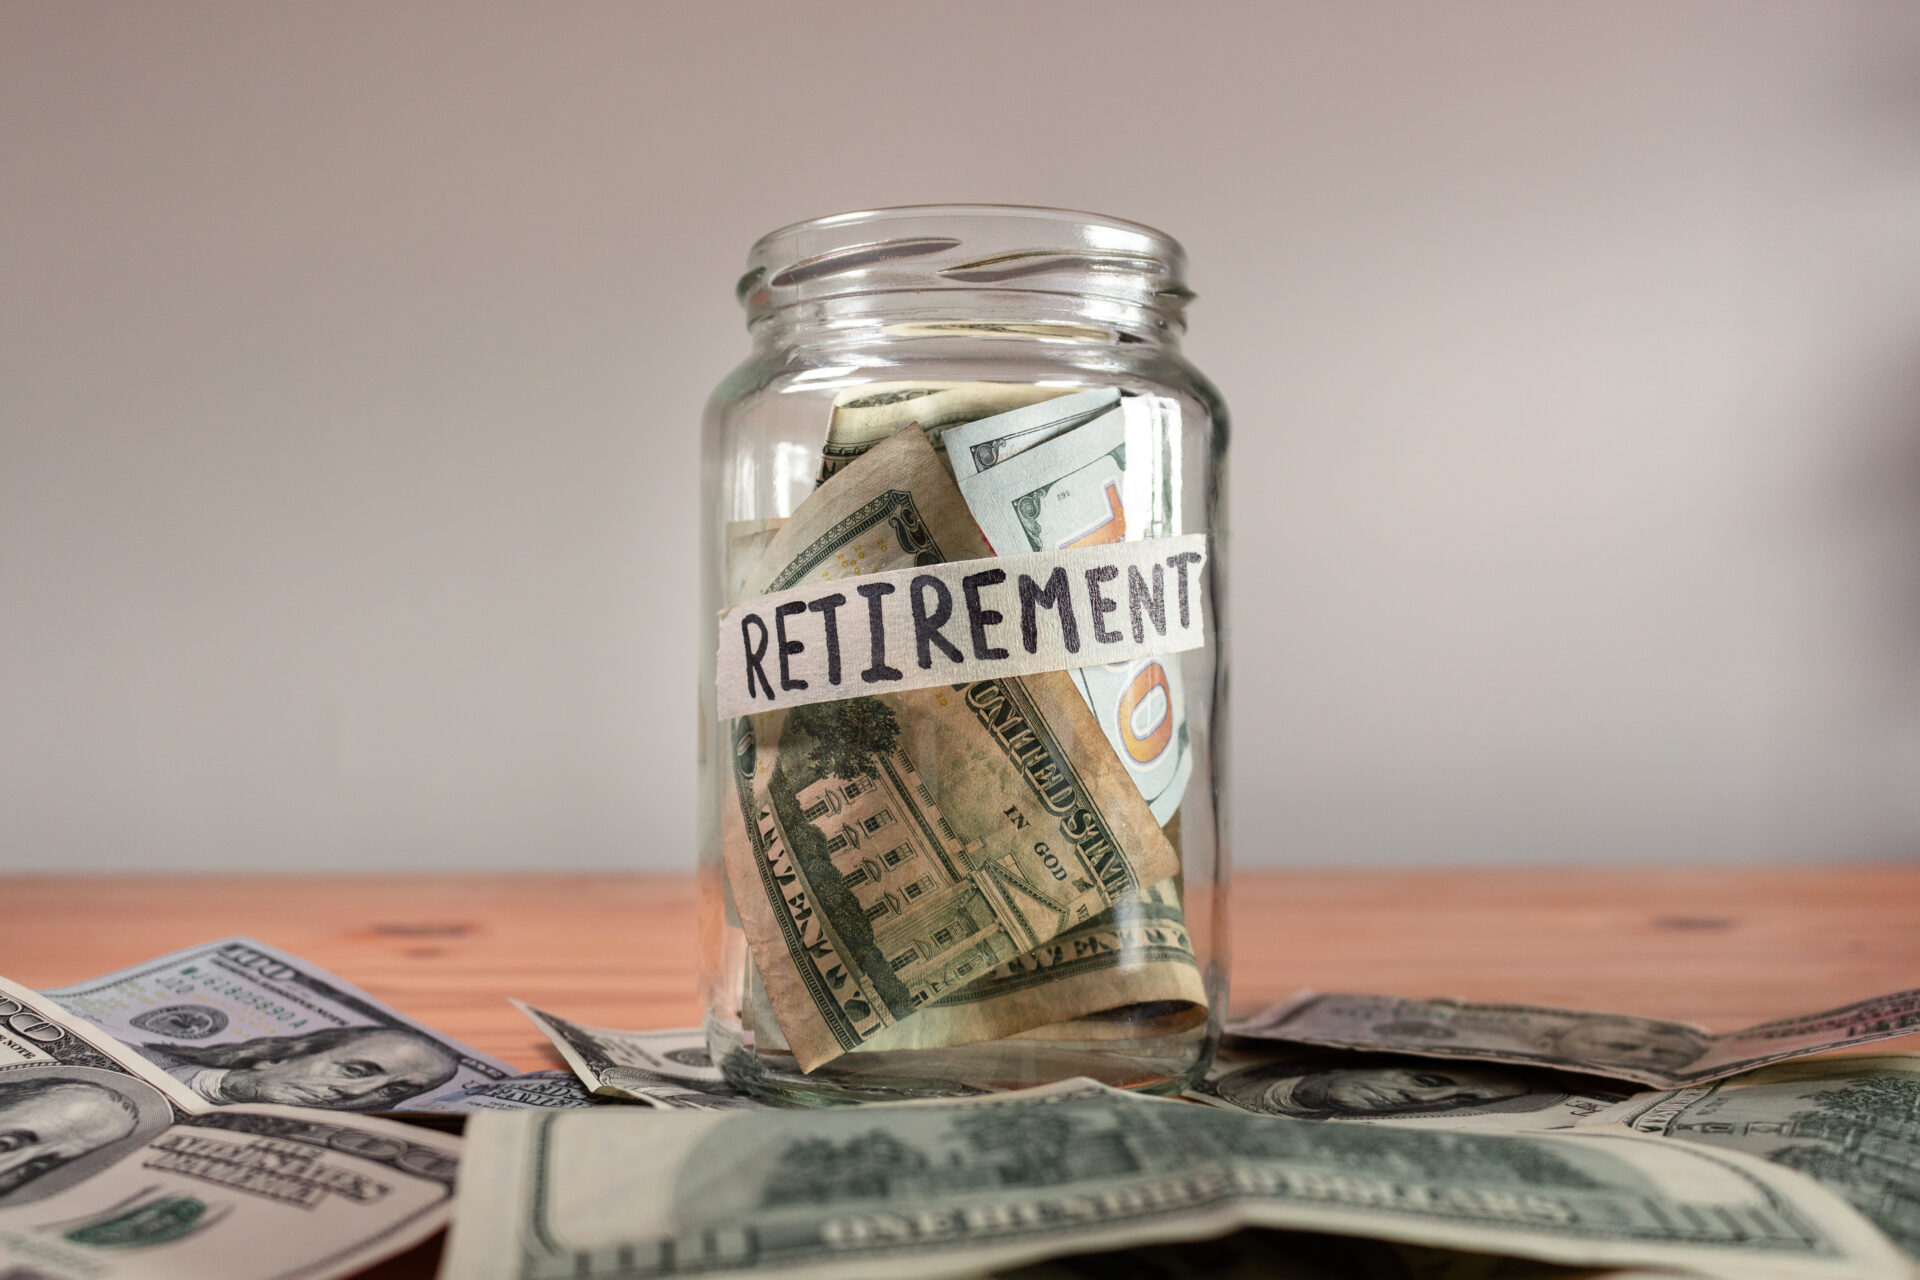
pixel 1725 948
pixel 1721 947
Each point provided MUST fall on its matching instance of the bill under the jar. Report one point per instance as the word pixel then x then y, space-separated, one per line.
pixel 957 864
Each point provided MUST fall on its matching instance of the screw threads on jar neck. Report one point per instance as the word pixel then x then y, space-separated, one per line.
pixel 967 270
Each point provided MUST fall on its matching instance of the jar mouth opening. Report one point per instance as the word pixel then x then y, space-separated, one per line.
pixel 913 249
pixel 1038 213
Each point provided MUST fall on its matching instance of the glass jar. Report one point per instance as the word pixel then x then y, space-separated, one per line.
pixel 915 894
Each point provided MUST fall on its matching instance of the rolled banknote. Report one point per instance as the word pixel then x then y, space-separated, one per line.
pixel 1126 974
pixel 1147 474
pixel 984 443
pixel 666 1069
pixel 244 1193
pixel 1378 1088
pixel 1073 472
pixel 864 416
pixel 239 1021
pixel 884 851
pixel 960 1187
pixel 1100 978
pixel 1645 1050
pixel 1851 1123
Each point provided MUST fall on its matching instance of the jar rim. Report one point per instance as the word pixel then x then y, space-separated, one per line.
pixel 1037 212
pixel 914 249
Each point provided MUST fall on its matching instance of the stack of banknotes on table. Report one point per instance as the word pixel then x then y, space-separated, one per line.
pixel 234 1111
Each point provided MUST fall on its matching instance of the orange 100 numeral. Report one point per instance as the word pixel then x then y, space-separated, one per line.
pixel 1146 748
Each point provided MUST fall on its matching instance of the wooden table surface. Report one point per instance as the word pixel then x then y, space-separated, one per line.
pixel 1724 948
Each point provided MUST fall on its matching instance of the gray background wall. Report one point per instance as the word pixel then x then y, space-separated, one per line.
pixel 351 357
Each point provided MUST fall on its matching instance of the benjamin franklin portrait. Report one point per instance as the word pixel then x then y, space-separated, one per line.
pixel 1602 1040
pixel 60 1123
pixel 338 1068
pixel 1629 1042
pixel 1376 1088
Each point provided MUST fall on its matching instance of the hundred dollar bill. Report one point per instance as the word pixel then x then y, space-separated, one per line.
pixel 72 1099
pixel 1049 477
pixel 1850 1123
pixel 110 1168
pixel 977 446
pixel 864 416
pixel 667 1069
pixel 1645 1050
pixel 886 850
pixel 545 1089
pixel 244 1193
pixel 239 1021
pixel 959 1187
pixel 1149 478
pixel 1377 1088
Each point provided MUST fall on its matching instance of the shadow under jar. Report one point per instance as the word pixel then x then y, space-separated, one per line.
pixel 1001 882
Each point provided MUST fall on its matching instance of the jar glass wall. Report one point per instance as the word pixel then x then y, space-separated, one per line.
pixel 895 901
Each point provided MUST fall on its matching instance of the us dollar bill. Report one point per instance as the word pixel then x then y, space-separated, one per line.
pixel 1152 467
pixel 984 443
pixel 239 1021
pixel 864 416
pixel 104 1158
pixel 887 850
pixel 73 1100
pixel 1075 472
pixel 1645 1050
pixel 1127 974
pixel 1382 1088
pixel 1151 740
pixel 550 1090
pixel 1850 1123
pixel 666 1069
pixel 244 1193
pixel 960 1187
